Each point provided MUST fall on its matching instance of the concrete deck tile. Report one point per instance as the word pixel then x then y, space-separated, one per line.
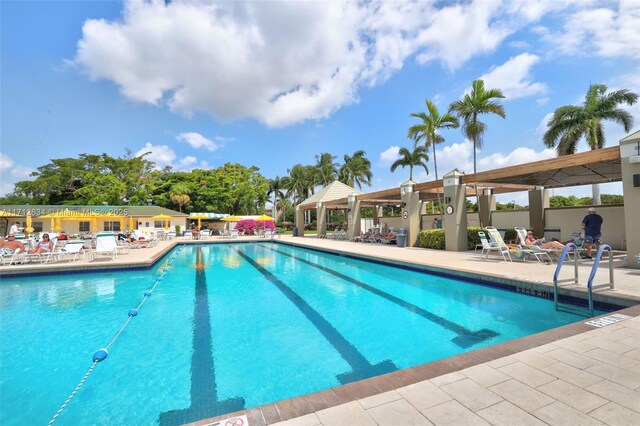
pixel 608 345
pixel 630 379
pixel 534 359
pixel 398 412
pixel 545 348
pixel 424 395
pixel 521 395
pixel 634 353
pixel 573 375
pixel 348 414
pixel 507 414
pixel 572 395
pixel 613 414
pixel 307 420
pixel 614 359
pixel 447 378
pixel 576 346
pixel 501 362
pixel 471 394
pixel 381 398
pixel 484 375
pixel 572 358
pixel 617 393
pixel 559 414
pixel 633 341
pixel 453 413
pixel 526 374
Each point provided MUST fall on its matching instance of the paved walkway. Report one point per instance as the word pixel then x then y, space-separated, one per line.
pixel 577 374
pixel 592 378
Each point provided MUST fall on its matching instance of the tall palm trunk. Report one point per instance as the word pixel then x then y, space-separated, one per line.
pixel 435 166
pixel 595 190
pixel 476 184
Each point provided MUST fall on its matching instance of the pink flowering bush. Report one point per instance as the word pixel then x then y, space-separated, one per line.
pixel 250 226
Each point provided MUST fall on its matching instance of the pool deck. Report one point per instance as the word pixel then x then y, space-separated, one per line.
pixel 575 374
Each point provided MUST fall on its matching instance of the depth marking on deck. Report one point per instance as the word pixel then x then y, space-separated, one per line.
pixel 608 320
pixel 204 391
pixel 465 339
pixel 361 367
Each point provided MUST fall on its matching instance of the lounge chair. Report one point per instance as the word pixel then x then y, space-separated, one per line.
pixel 72 250
pixel 105 245
pixel 496 243
pixel 542 255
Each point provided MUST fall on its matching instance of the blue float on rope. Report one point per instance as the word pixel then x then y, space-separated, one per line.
pixel 147 293
pixel 100 355
pixel 133 312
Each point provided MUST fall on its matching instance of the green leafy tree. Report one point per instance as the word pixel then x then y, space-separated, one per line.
pixel 427 130
pixel 411 159
pixel 571 123
pixel 475 103
pixel 276 187
pixel 356 170
pixel 327 169
pixel 179 194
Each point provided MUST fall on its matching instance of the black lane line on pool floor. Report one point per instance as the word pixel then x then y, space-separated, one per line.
pixel 361 367
pixel 465 339
pixel 204 391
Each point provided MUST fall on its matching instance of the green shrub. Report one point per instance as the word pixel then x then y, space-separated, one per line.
pixel 434 238
pixel 473 239
pixel 431 238
pixel 510 236
pixel 178 229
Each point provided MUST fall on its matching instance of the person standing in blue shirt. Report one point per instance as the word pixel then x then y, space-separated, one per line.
pixel 592 224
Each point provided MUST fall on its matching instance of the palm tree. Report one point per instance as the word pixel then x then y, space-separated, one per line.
pixel 356 170
pixel 478 101
pixel 276 185
pixel 417 157
pixel 179 194
pixel 427 130
pixel 327 169
pixel 570 123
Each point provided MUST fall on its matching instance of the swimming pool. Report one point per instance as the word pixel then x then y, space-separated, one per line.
pixel 233 326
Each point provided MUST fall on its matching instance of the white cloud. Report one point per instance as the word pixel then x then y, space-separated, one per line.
pixel 188 160
pixel 6 163
pixel 543 126
pixel 460 156
pixel 388 156
pixel 21 172
pixel 287 63
pixel 196 140
pixel 162 155
pixel 514 77
pixel 11 172
pixel 604 32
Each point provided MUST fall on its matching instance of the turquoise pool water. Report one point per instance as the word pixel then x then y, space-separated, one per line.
pixel 233 326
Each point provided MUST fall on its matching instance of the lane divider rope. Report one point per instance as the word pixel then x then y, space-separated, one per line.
pixel 101 354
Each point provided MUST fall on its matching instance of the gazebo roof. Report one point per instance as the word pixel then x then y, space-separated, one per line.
pixel 207 215
pixel 334 191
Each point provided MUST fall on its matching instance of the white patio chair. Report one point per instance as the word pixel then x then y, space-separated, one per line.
pixel 540 254
pixel 107 245
pixel 496 244
pixel 73 250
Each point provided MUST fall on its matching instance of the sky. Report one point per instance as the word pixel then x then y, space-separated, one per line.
pixel 272 84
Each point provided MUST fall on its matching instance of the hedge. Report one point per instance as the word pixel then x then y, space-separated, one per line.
pixel 434 238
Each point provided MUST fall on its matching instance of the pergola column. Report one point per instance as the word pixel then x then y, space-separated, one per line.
pixel 455 218
pixel 321 215
pixel 538 202
pixel 377 214
pixel 487 204
pixel 410 210
pixel 630 165
pixel 300 221
pixel 353 216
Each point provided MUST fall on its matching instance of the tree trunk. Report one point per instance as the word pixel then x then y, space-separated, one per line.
pixel 476 183
pixel 595 189
pixel 435 166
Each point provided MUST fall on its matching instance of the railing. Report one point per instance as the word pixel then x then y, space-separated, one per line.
pixel 576 281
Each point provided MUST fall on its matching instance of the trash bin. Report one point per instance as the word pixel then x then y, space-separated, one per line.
pixel 295 231
pixel 401 239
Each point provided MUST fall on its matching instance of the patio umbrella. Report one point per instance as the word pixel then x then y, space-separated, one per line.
pixel 264 218
pixel 53 224
pixel 199 217
pixel 131 223
pixel 164 218
pixel 230 219
pixel 28 225
pixel 58 227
